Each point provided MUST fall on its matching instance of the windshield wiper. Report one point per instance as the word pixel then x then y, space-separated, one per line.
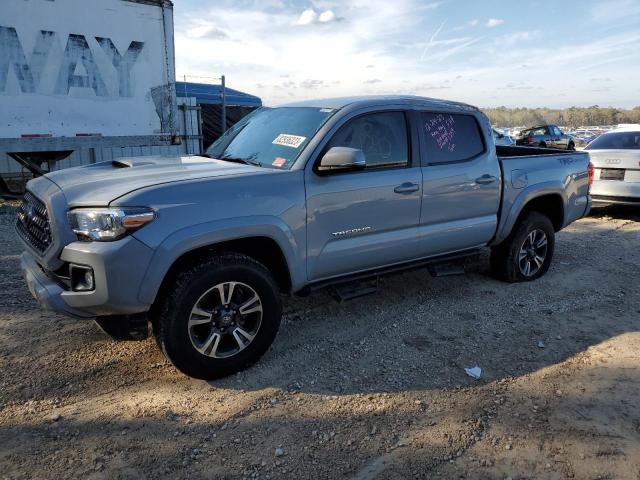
pixel 246 161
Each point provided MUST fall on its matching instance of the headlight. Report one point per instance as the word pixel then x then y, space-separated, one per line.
pixel 107 224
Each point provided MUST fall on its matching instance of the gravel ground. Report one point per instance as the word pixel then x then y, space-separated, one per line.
pixel 371 388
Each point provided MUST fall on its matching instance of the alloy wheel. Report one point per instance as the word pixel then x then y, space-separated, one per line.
pixel 225 319
pixel 533 253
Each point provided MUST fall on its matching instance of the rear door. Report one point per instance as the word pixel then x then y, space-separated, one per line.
pixel 461 183
pixel 369 218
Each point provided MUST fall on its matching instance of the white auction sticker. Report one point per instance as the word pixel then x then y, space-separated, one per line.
pixel 293 141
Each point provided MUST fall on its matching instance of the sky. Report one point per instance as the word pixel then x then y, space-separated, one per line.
pixel 485 52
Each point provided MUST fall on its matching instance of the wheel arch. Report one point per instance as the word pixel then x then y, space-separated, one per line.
pixel 263 249
pixel 271 245
pixel 550 205
pixel 547 200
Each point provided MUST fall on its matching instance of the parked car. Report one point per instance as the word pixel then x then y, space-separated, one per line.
pixel 502 139
pixel 616 158
pixel 289 200
pixel 545 136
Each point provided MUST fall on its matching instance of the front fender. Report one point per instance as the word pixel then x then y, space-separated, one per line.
pixel 515 201
pixel 211 233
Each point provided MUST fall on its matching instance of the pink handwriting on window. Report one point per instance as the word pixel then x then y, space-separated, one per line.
pixel 442 130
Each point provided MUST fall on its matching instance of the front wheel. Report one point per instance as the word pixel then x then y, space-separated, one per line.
pixel 571 146
pixel 220 317
pixel 527 252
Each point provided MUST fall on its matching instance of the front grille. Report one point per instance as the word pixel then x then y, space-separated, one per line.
pixel 33 223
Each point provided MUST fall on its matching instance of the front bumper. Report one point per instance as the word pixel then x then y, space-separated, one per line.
pixel 47 292
pixel 118 267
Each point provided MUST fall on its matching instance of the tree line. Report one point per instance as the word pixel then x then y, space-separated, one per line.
pixel 569 117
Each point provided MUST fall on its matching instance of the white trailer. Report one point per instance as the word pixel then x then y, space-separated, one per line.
pixel 89 79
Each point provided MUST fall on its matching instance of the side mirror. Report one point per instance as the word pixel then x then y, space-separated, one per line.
pixel 341 159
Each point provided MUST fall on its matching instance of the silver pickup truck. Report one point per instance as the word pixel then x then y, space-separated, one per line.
pixel 290 199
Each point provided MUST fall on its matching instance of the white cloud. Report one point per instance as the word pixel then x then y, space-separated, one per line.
pixel 514 38
pixel 470 23
pixel 206 30
pixel 493 22
pixel 431 5
pixel 310 16
pixel 327 16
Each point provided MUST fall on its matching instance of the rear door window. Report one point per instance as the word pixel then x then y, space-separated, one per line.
pixel 450 137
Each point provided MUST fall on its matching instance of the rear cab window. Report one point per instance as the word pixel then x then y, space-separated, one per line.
pixel 450 138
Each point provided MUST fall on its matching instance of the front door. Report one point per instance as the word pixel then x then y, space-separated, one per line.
pixel 368 218
pixel 461 184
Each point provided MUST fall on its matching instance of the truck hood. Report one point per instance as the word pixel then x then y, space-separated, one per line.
pixel 101 183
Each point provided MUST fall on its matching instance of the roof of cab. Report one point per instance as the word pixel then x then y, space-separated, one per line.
pixel 376 100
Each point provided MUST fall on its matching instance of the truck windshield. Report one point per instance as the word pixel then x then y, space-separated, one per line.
pixel 270 137
pixel 616 141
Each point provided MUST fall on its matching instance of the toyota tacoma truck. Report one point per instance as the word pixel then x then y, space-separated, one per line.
pixel 289 200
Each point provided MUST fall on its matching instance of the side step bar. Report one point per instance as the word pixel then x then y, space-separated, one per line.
pixel 365 283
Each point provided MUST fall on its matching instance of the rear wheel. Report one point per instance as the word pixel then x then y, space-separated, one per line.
pixel 571 146
pixel 542 145
pixel 527 252
pixel 220 317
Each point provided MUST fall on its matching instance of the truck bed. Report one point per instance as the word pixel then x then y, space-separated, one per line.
pixel 530 172
pixel 506 152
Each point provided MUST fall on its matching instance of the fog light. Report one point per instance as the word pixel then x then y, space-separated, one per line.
pixel 81 278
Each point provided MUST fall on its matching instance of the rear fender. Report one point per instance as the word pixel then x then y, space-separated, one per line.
pixel 512 209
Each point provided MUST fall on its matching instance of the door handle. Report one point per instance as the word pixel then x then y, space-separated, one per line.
pixel 486 179
pixel 407 188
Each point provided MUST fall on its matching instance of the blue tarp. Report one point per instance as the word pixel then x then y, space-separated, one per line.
pixel 210 94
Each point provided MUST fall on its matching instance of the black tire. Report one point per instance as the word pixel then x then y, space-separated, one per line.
pixel 505 258
pixel 171 320
pixel 542 145
pixel 571 146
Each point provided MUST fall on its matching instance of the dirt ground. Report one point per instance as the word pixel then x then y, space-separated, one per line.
pixel 371 388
